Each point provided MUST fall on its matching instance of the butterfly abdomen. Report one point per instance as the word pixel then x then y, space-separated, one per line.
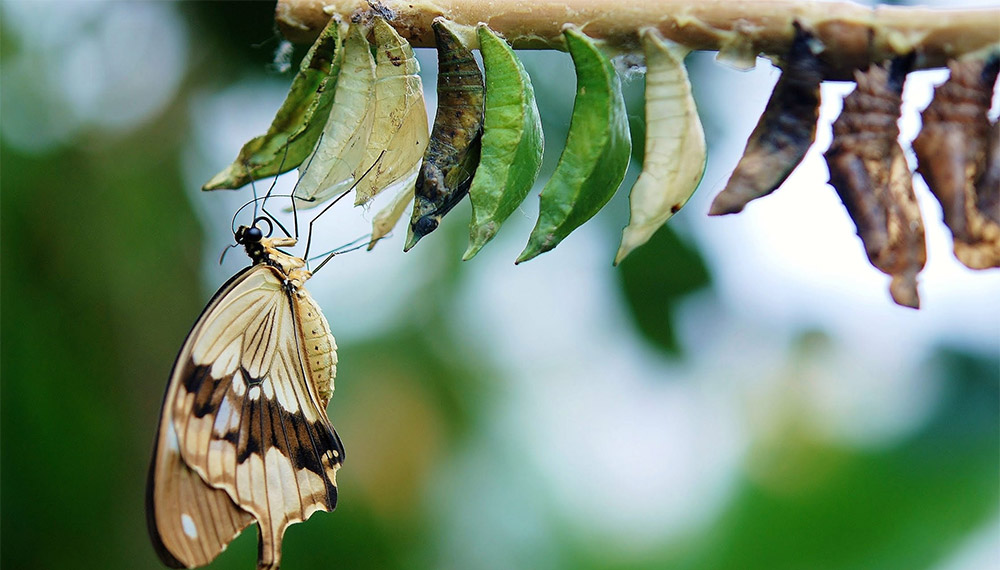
pixel 320 346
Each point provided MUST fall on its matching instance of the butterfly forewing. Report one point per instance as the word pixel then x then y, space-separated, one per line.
pixel 244 418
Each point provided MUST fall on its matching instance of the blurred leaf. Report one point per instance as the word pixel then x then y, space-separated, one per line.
pixel 655 278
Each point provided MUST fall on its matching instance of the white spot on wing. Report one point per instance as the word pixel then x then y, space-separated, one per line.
pixel 254 392
pixel 239 386
pixel 171 439
pixel 225 409
pixel 187 523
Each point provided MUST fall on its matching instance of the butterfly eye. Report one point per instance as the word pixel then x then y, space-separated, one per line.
pixel 255 233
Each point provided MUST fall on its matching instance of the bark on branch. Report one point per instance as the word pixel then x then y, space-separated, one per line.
pixel 853 35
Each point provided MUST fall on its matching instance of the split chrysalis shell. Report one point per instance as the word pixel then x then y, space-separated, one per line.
pixel 399 128
pixel 298 122
pixel 675 153
pixel 784 133
pixel 341 149
pixel 869 172
pixel 954 156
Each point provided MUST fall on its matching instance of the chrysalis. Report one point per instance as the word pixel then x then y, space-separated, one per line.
pixel 952 153
pixel 869 172
pixel 512 141
pixel 399 129
pixel 453 151
pixel 784 133
pixel 595 158
pixel 341 150
pixel 988 186
pixel 299 121
pixel 674 160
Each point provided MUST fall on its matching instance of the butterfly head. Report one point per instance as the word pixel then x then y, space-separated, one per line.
pixel 248 235
pixel 253 238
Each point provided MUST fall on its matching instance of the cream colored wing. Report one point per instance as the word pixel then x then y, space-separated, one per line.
pixel 190 522
pixel 245 414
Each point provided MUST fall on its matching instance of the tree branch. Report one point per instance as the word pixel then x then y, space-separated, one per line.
pixel 853 35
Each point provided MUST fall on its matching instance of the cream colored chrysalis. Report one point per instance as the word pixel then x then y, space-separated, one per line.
pixel 340 152
pixel 400 125
pixel 674 160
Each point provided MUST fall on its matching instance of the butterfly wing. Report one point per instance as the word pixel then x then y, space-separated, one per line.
pixel 246 417
pixel 189 521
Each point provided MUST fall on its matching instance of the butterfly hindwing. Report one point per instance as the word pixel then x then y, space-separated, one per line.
pixel 193 522
pixel 247 409
pixel 190 521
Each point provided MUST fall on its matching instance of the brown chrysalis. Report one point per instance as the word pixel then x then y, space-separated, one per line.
pixel 956 160
pixel 988 186
pixel 784 133
pixel 869 172
pixel 453 151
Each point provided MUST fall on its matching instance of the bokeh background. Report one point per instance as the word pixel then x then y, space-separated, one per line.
pixel 741 393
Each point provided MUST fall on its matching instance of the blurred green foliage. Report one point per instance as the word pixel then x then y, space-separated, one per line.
pixel 100 268
pixel 655 278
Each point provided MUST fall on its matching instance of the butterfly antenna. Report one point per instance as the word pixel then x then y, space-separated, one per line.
pixel 334 202
pixel 253 187
pixel 269 217
pixel 270 191
pixel 295 215
pixel 263 200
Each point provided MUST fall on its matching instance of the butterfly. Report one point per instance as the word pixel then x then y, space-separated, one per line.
pixel 244 436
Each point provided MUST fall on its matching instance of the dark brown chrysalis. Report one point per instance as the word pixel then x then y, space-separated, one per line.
pixel 784 133
pixel 453 151
pixel 869 172
pixel 956 160
pixel 988 186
